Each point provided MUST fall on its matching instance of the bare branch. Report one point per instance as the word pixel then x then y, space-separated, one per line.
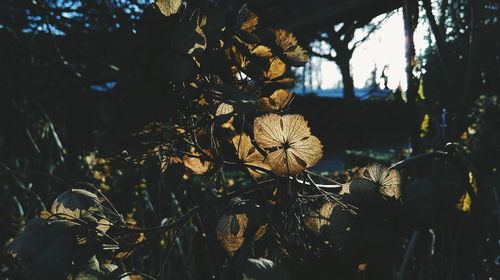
pixel 373 27
pixel 325 56
pixel 440 40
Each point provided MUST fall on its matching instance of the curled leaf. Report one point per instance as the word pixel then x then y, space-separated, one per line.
pixel 189 38
pixel 246 19
pixel 249 154
pixel 276 69
pixel 75 202
pixel 294 54
pixel 316 219
pixel 261 51
pixel 278 100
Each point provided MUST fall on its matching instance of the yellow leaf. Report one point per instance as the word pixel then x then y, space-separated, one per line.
pixel 224 109
pixel 247 20
pixel 424 126
pixel 168 7
pixel 276 69
pixel 261 51
pixel 473 182
pixel 464 203
pixel 421 90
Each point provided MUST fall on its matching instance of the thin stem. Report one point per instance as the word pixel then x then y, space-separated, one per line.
pixel 323 177
pixel 181 221
pixel 170 248
pixel 135 273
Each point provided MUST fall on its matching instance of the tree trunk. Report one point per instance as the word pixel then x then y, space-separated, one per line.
pixel 410 20
pixel 345 70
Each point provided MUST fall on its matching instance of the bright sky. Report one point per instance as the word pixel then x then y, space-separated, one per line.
pixel 384 47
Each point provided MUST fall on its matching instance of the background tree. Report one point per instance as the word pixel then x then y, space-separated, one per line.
pixel 340 39
pixel 465 51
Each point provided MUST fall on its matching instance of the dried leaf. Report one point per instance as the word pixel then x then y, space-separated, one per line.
pixel 261 51
pixel 278 100
pixel 295 54
pixel 241 102
pixel 168 7
pixel 234 54
pixel 464 203
pixel 189 38
pixel 345 188
pixel 288 139
pixel 224 109
pixel 249 154
pixel 75 202
pixel 246 19
pixel 196 165
pixel 388 181
pixel 316 219
pixel 277 68
pixel 230 231
pixel 44 214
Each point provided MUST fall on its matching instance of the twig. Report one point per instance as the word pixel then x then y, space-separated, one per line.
pixel 23 187
pixel 181 221
pixel 304 182
pixel 105 198
pixel 170 248
pixel 404 163
pixel 350 208
pixel 135 273
pixel 408 254
pixel 322 177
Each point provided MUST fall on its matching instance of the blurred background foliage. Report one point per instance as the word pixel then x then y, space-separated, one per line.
pixel 80 81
